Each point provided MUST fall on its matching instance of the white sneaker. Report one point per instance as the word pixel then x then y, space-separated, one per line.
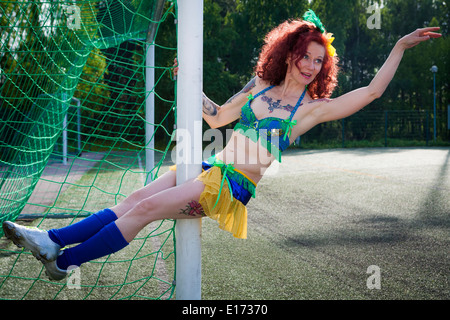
pixel 33 239
pixel 53 272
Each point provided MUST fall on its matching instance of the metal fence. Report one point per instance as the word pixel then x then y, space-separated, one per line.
pixel 380 128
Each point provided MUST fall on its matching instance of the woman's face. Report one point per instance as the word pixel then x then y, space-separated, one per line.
pixel 309 65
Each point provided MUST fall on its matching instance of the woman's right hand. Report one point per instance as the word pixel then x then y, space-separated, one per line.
pixel 175 67
pixel 418 36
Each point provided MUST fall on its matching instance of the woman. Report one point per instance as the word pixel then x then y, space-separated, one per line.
pixel 295 76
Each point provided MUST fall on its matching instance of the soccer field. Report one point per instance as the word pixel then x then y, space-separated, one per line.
pixel 325 216
pixel 325 224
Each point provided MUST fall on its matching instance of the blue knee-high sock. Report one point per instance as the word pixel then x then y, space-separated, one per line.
pixel 82 230
pixel 108 240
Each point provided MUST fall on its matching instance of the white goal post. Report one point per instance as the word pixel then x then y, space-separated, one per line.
pixel 189 120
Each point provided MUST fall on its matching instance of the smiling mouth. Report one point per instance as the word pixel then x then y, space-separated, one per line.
pixel 306 75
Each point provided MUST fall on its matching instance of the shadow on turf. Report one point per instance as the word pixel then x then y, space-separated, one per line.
pixel 377 229
pixel 434 211
pixel 371 230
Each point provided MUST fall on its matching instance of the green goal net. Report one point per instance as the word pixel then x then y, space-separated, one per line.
pixel 73 125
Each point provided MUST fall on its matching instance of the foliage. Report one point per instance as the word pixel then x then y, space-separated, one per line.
pixel 239 27
pixel 234 31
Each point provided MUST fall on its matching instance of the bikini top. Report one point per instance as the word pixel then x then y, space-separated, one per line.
pixel 273 133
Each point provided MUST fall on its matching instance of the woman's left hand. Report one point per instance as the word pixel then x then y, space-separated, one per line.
pixel 418 36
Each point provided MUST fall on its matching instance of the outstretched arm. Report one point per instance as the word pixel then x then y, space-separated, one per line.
pixel 354 101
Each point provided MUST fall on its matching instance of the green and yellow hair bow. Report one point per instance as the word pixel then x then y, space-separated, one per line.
pixel 312 17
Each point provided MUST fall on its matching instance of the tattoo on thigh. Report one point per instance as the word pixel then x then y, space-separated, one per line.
pixel 193 209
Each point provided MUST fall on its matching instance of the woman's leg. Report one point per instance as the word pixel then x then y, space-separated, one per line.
pixel 166 181
pixel 179 202
pixel 86 228
pixel 82 230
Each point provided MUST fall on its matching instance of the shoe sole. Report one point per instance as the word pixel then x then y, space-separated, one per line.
pixel 20 241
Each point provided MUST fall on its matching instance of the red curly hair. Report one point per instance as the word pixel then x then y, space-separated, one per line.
pixel 293 37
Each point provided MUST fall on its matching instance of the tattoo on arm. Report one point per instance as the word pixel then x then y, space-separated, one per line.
pixel 209 107
pixel 193 209
pixel 319 100
pixel 249 86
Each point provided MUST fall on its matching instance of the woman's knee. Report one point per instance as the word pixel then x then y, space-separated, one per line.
pixel 168 180
pixel 135 197
pixel 145 206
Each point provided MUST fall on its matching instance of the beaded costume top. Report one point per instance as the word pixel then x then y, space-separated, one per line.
pixel 272 132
